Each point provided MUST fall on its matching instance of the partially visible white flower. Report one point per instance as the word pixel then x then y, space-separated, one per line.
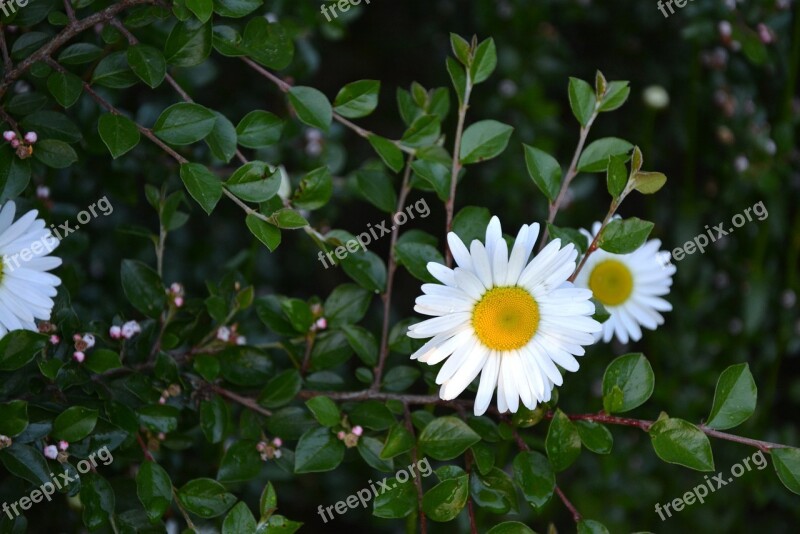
pixel 51 452
pixel 130 329
pixel 89 340
pixel 115 332
pixel 224 334
pixel 656 97
pixel 26 288
pixel 629 286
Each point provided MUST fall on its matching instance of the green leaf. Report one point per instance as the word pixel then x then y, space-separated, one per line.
pixel 268 43
pixel 314 191
pixel 590 526
pixel 373 415
pixel 79 54
pixel 188 44
pixel 582 100
pixel 366 268
pixel 616 175
pixel 184 123
pixel 318 450
pixel 461 48
pixel 114 72
pixel 595 437
pixel 102 360
pixel 65 87
pixel 436 172
pixel 97 498
pixel 648 183
pixel 623 236
pixel 325 410
pixel 595 156
pixel 158 417
pixel 616 95
pixel 416 256
pixel 15 174
pixel 312 107
pixel 347 304
pixel 632 375
pixel 254 181
pixel 201 8
pixel 259 129
pixel 214 416
pixel 74 423
pixel 398 441
pixel 288 218
pixel 377 188
pixel 268 502
pixel 568 235
pixel 148 63
pixel 203 186
pixel 444 501
pixel 510 527
pixel 458 77
pixel 363 343
pixel 239 519
pixel 446 438
pixel 391 155
pixel 563 443
pixel 119 133
pixel 544 170
pixel 787 465
pixel 679 442
pixel 19 347
pixel 154 489
pixel 400 378
pixel 264 232
pixel 143 288
pixel 396 502
pixel 424 131
pixel 535 477
pixel 222 139
pixel 241 463
pixel 734 398
pixel 370 448
pixel 54 153
pixel 205 498
pixel 236 8
pixel 484 140
pixel 25 462
pixel 494 491
pixel 13 417
pixel 484 61
pixel 281 389
pixel 357 99
pixel 51 124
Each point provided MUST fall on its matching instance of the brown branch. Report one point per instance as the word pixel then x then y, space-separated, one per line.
pixel 593 245
pixel 307 356
pixel 70 11
pixel 417 482
pixel 63 37
pixel 147 454
pixel 248 403
pixel 391 268
pixel 473 524
pixel 7 65
pixel 456 167
pixel 576 516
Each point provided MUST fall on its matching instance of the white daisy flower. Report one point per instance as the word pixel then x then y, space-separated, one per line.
pixel 26 289
pixel 504 317
pixel 630 286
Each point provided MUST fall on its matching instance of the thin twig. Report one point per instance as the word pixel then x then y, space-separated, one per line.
pixel 391 268
pixel 417 482
pixel 250 404
pixel 473 524
pixel 70 11
pixel 7 64
pixel 576 516
pixel 307 356
pixel 456 166
pixel 593 245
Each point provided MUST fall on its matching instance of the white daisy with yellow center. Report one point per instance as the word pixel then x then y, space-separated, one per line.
pixel 630 286
pixel 504 317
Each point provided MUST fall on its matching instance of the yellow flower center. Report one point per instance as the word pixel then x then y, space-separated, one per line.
pixel 506 318
pixel 611 282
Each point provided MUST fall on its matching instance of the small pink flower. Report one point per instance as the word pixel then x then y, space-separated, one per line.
pixel 261 446
pixel 15 143
pixel 277 454
pixel 340 435
pixel 63 445
pixel 176 288
pixel 162 436
pixel 55 340
pixel 43 192
pixel 8 135
pixel 277 442
pixel 357 430
pixel 224 334
pixel 31 138
pixel 130 329
pixel 76 337
pixel 321 323
pixel 51 452
pixel 78 356
pixel 115 332
pixel 241 340
pixel 178 302
pixel 162 400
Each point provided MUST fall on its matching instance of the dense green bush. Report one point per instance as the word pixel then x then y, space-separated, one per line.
pixel 205 164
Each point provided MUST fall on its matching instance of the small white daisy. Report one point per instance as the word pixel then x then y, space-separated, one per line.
pixel 504 317
pixel 630 286
pixel 26 289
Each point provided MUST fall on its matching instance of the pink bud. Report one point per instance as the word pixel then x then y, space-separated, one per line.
pixel 277 454
pixel 162 436
pixel 8 135
pixel 31 138
pixel 51 452
pixel 241 340
pixel 43 192
pixel 115 332
pixel 63 445
pixel 79 356
pixel 277 442
pixel 162 400
pixel 322 323
pixel 55 340
pixel 357 430
pixel 178 302
pixel 15 143
pixel 340 435
pixel 76 337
